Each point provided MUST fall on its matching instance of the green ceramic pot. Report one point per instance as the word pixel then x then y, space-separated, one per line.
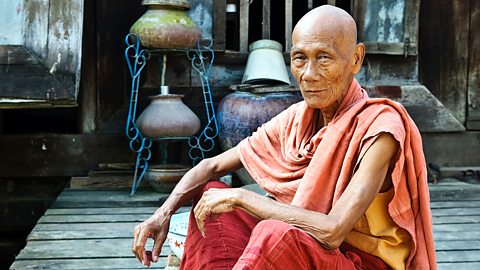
pixel 166 24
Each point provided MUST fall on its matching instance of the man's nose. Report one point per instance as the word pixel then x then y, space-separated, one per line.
pixel 311 71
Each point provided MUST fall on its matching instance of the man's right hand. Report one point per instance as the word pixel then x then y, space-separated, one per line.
pixel 155 227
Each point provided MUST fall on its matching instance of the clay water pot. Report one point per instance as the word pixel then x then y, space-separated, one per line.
pixel 167 116
pixel 240 113
pixel 166 24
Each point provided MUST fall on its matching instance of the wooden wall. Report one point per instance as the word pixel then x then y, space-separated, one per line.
pixel 449 62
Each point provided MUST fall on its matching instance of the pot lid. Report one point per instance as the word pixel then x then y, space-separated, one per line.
pixel 173 3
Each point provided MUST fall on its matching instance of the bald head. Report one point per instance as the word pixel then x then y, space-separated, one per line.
pixel 328 20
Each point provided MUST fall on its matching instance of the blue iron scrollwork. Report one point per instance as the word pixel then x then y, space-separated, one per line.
pixel 202 60
pixel 136 60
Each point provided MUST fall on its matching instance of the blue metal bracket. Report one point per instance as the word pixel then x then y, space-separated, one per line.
pixel 202 60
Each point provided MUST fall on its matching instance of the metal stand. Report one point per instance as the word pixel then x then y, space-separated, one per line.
pixel 201 59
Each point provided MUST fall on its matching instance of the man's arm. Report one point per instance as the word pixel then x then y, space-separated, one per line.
pixel 329 229
pixel 157 225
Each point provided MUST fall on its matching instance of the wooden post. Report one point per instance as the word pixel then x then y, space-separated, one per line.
pixel 332 2
pixel 288 25
pixel 266 19
pixel 244 6
pixel 220 19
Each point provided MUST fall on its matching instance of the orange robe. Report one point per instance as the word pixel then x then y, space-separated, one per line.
pixel 297 164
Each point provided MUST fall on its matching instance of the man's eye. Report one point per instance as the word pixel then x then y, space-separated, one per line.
pixel 323 56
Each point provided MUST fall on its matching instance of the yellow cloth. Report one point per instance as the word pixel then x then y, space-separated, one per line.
pixel 377 234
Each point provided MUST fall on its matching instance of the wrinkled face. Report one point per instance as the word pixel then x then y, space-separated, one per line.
pixel 321 64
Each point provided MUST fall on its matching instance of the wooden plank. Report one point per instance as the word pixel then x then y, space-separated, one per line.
pixel 451 212
pixel 99 211
pixel 112 210
pixel 466 245
pixel 60 154
pixel 266 19
pixel 458 265
pixel 447 228
pixel 16 55
pixel 474 68
pixel 458 256
pixel 36 26
pixel 66 219
pixel 219 25
pixel 454 204
pixel 244 16
pixel 86 264
pixel 288 24
pixel 455 235
pixel 80 248
pixel 108 227
pixel 456 219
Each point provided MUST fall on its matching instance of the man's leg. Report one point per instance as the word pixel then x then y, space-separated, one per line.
pixel 226 238
pixel 277 245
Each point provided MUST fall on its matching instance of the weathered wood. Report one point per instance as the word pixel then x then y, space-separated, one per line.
pixel 16 55
pixel 458 266
pixel 466 245
pixel 458 256
pixel 288 24
pixel 105 199
pixel 473 120
pixel 88 103
pixel 34 82
pixel 266 19
pixel 111 210
pixel 454 204
pixel 444 49
pixel 80 248
pixel 455 235
pixel 60 154
pixel 65 219
pixel 86 264
pixel 452 149
pixel 112 25
pixel 244 11
pixel 219 26
pixel 470 211
pixel 456 219
pixel 331 2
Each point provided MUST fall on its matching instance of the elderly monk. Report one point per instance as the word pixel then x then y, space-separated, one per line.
pixel 347 174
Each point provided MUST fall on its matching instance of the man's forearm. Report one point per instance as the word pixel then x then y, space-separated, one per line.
pixel 198 176
pixel 318 225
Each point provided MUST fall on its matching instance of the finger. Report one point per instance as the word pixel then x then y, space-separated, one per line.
pixel 157 246
pixel 136 233
pixel 140 245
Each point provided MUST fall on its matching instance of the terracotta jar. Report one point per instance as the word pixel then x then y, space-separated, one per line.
pixel 240 113
pixel 166 24
pixel 167 116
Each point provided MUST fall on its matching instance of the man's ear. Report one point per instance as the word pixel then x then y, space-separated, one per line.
pixel 358 56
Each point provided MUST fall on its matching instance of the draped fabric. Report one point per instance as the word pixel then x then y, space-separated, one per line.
pixel 310 167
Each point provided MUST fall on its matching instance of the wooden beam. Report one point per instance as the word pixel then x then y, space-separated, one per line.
pixel 288 25
pixel 266 19
pixel 60 154
pixel 244 16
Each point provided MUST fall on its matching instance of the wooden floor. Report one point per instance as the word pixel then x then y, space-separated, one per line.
pixel 92 229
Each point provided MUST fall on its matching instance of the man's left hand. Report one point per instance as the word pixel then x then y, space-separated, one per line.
pixel 213 202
